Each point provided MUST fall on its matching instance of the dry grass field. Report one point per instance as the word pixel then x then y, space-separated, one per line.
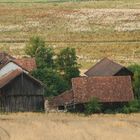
pixel 63 126
pixel 95 28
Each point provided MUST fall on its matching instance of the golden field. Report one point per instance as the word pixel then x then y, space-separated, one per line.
pixel 96 29
pixel 65 126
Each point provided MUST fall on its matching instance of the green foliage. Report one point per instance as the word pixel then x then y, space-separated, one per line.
pixel 44 57
pixel 133 106
pixel 109 111
pixel 34 44
pixel 54 83
pixel 49 70
pixel 136 79
pixel 94 106
pixel 125 110
pixel 67 63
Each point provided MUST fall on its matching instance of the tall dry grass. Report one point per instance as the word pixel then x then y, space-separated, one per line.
pixel 60 126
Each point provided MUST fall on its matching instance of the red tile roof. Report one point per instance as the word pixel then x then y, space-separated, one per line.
pixel 7 78
pixel 106 89
pixel 28 64
pixel 4 54
pixel 105 67
pixel 63 99
pixel 4 58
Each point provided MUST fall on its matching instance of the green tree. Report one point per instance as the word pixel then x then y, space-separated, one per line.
pixel 33 45
pixel 67 63
pixel 54 83
pixel 46 69
pixel 136 79
pixel 45 57
pixel 49 70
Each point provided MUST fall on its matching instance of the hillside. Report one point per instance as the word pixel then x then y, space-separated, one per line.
pixel 96 29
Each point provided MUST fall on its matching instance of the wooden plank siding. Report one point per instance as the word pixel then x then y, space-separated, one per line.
pixel 22 94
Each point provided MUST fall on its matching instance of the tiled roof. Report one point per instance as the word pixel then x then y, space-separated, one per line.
pixel 4 58
pixel 7 78
pixel 105 67
pixel 4 54
pixel 28 64
pixel 63 99
pixel 106 89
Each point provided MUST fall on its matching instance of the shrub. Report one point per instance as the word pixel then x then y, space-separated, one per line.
pixel 125 110
pixel 94 106
pixel 108 111
pixel 133 106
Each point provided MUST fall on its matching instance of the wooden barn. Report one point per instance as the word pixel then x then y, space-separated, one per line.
pixel 110 90
pixel 20 91
pixel 9 63
pixel 107 67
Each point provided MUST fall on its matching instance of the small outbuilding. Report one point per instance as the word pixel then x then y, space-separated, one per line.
pixel 110 90
pixel 20 91
pixel 62 101
pixel 107 67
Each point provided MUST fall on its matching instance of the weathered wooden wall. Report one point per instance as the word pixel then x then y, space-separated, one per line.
pixel 22 94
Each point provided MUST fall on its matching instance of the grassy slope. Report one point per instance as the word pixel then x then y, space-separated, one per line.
pixel 95 29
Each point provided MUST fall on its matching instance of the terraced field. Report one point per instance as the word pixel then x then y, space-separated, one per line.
pixel 96 28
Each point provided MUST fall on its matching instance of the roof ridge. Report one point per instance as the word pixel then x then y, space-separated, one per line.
pixel 95 64
pixel 7 78
pixel 103 63
pixel 85 77
pixel 15 73
pixel 10 72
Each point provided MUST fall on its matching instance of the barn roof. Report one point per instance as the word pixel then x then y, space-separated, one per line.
pixel 106 89
pixel 4 54
pixel 105 67
pixel 27 63
pixel 63 99
pixel 4 58
pixel 13 61
pixel 7 78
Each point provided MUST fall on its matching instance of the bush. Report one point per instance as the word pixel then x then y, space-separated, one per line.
pixel 125 110
pixel 133 106
pixel 108 111
pixel 94 106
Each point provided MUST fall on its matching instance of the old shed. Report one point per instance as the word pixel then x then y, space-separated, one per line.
pixel 62 101
pixel 110 90
pixel 107 67
pixel 20 91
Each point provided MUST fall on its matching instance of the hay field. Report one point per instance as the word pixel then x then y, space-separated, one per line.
pixel 60 126
pixel 95 28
